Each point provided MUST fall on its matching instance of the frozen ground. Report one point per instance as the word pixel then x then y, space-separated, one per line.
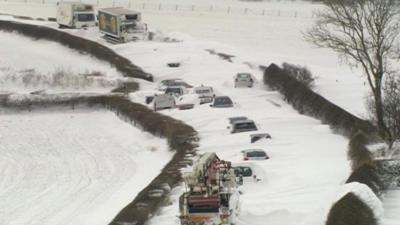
pixel 72 167
pixel 273 37
pixel 28 65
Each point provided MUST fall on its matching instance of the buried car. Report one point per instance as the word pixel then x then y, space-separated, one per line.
pixel 242 126
pixel 258 136
pixel 222 102
pixel 246 172
pixel 163 101
pixel 187 101
pixel 205 93
pixel 176 90
pixel 254 154
pixel 236 118
pixel 244 80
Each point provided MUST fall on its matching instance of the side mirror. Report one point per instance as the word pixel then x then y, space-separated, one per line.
pixel 211 105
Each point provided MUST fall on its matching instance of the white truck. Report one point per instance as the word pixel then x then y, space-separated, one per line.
pixel 75 15
pixel 121 24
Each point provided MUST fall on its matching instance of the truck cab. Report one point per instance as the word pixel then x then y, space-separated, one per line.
pixel 75 15
pixel 122 24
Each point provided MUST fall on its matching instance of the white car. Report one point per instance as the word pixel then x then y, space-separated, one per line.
pixel 163 101
pixel 187 101
pixel 244 80
pixel 205 93
pixel 247 173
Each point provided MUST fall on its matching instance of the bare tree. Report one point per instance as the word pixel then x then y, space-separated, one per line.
pixel 364 33
pixel 391 106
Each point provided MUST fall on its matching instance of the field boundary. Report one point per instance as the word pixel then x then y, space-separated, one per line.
pixel 349 209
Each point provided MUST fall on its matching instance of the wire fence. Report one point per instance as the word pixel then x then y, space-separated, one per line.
pixel 184 8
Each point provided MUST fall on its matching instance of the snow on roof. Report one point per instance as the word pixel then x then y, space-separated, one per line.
pixel 119 11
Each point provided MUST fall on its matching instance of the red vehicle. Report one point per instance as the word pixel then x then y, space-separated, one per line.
pixel 212 196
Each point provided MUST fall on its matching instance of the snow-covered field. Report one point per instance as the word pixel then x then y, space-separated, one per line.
pixel 28 65
pixel 73 167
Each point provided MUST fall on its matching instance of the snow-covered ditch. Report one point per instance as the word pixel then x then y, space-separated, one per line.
pixel 73 167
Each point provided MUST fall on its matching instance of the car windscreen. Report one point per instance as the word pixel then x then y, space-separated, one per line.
pixel 243 75
pixel 246 125
pixel 131 17
pixel 234 119
pixel 202 91
pixel 243 171
pixel 173 90
pixel 222 101
pixel 85 17
pixel 256 154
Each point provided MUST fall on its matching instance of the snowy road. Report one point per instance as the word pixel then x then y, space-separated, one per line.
pixel 308 163
pixel 76 167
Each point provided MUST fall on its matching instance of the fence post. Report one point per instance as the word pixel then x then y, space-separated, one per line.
pixel 144 5
pixel 229 9
pixel 279 12
pixel 295 14
pixel 159 6
pixel 245 10
pixel 192 7
pixel 211 8
pixel 263 12
pixel 176 7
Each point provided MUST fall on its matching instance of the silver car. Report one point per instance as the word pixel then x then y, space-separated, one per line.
pixel 244 80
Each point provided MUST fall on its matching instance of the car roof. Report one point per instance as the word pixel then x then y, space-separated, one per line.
pixel 222 97
pixel 237 118
pixel 243 121
pixel 259 135
pixel 173 79
pixel 253 150
pixel 169 87
pixel 203 87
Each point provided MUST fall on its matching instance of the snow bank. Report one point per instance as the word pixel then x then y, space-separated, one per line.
pixel 365 193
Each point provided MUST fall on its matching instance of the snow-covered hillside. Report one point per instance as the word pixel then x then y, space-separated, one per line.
pixel 74 167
